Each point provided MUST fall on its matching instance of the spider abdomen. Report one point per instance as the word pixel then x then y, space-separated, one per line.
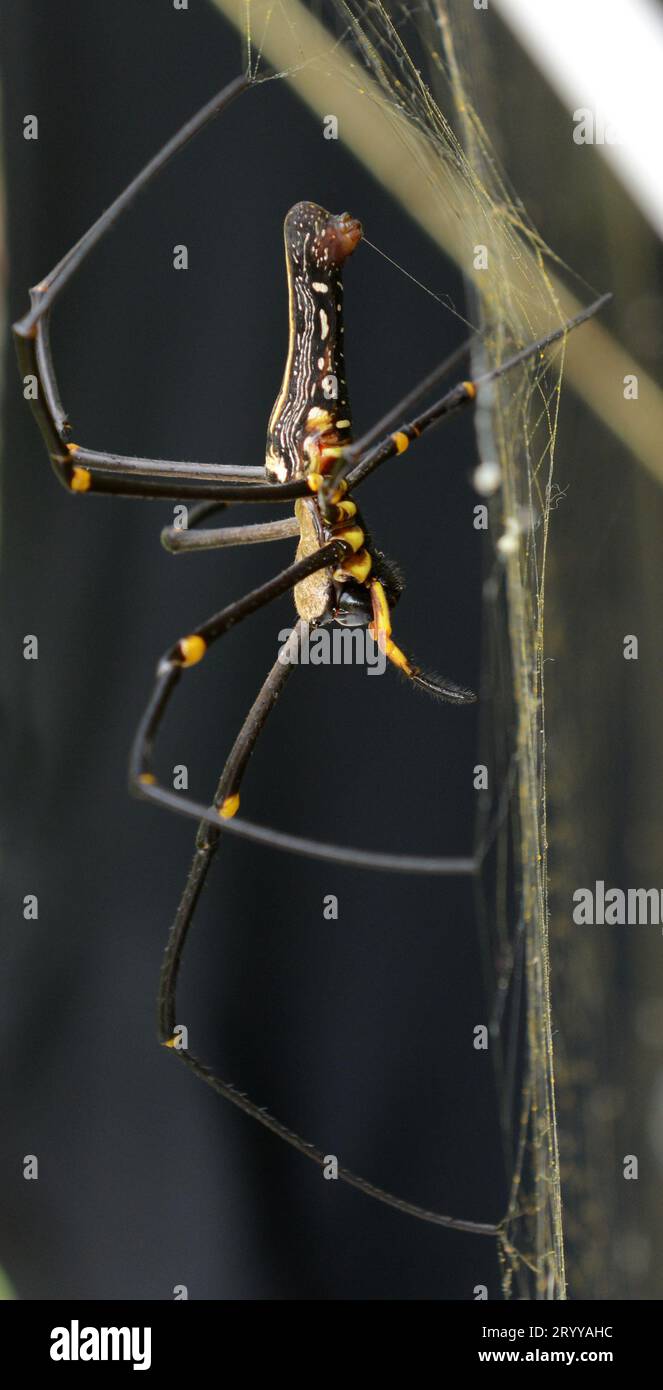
pixel 311 414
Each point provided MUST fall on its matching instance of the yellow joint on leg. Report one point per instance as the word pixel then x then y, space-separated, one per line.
pixel 469 389
pixel 352 535
pixel 192 649
pixel 147 778
pixel 171 1042
pixel 358 566
pixel 80 480
pixel 401 441
pixel 229 807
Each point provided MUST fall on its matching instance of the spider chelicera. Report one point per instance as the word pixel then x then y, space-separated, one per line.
pixel 338 574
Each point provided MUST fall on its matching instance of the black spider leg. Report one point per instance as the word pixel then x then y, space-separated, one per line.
pixel 208 837
pixel 184 539
pixel 84 470
pixel 207 842
pixel 186 653
pixel 356 462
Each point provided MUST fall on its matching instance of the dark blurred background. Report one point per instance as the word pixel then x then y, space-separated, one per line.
pixel 357 1033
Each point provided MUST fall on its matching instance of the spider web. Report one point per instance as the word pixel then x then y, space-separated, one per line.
pixel 401 83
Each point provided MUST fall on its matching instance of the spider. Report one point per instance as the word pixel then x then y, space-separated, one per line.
pixel 338 575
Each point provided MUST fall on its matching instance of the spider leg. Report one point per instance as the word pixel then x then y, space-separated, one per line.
pixel 83 470
pixel 177 539
pixel 356 462
pixel 346 1175
pixel 86 470
pixel 208 837
pixel 439 686
pixel 207 842
pixel 187 652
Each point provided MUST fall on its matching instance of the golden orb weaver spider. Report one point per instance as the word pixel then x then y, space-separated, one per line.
pixel 338 575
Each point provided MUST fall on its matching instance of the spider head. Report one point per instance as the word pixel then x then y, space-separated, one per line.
pixel 317 240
